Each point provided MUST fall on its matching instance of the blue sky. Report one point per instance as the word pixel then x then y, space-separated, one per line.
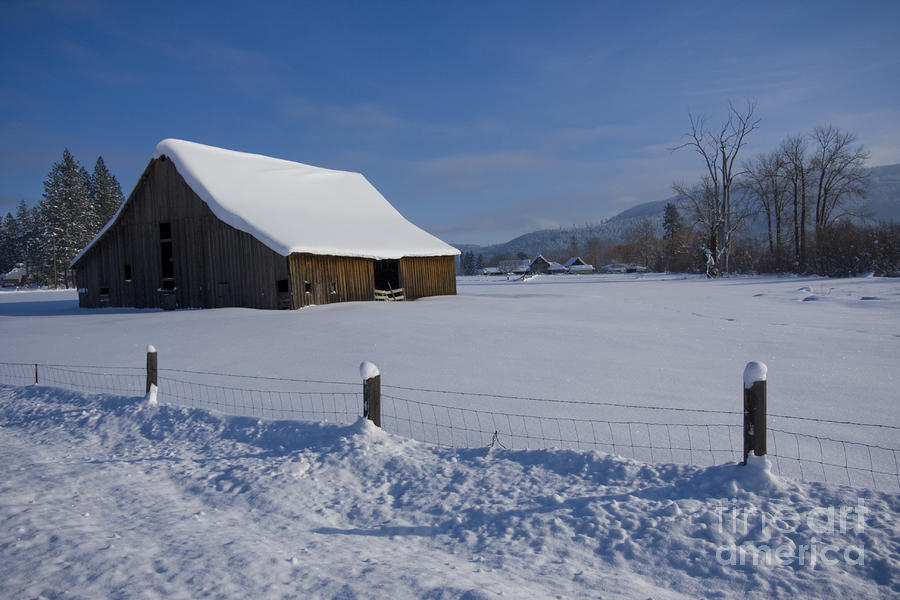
pixel 479 121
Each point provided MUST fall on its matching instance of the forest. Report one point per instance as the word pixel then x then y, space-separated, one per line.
pixel 43 239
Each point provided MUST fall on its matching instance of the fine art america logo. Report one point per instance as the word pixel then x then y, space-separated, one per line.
pixel 796 537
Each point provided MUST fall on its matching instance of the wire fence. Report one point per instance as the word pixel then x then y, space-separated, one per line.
pixel 262 397
pixel 655 434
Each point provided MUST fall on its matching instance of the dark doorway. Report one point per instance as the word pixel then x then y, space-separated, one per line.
pixel 167 257
pixel 387 274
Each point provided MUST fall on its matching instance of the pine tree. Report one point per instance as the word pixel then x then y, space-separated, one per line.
pixel 673 239
pixel 106 196
pixel 64 209
pixel 9 239
pixel 468 263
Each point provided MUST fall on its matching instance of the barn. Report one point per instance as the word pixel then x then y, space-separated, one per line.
pixel 206 227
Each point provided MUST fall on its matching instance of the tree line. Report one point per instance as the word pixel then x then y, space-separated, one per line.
pixel 45 238
pixel 807 193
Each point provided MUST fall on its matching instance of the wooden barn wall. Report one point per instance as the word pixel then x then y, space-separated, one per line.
pixel 428 276
pixel 320 279
pixel 214 264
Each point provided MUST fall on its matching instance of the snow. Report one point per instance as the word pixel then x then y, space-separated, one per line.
pixel 107 496
pixel 291 207
pixel 753 372
pixel 152 399
pixel 368 370
pixel 104 498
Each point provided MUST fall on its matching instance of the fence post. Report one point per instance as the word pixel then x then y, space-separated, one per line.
pixel 371 392
pixel 152 369
pixel 35 374
pixel 754 409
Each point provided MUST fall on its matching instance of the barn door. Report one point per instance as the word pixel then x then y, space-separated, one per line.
pixel 387 275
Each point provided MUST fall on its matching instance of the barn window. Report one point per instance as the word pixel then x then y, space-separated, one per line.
pixel 307 287
pixel 333 288
pixel 165 231
pixel 282 285
pixel 127 272
pixel 104 295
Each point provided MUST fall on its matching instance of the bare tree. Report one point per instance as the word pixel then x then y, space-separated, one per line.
pixel 701 202
pixel 719 149
pixel 642 244
pixel 793 152
pixel 766 183
pixel 840 175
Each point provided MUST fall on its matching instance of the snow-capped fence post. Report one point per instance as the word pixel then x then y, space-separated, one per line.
pixel 754 409
pixel 35 374
pixel 371 392
pixel 152 369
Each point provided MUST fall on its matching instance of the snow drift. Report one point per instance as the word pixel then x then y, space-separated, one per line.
pixel 112 496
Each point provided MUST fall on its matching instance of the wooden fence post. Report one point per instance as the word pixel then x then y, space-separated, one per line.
pixel 754 409
pixel 371 392
pixel 35 374
pixel 152 368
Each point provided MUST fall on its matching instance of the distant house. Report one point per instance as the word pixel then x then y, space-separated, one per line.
pixel 555 268
pixel 577 265
pixel 622 268
pixel 206 227
pixel 539 264
pixel 15 277
pixel 491 271
pixel 515 267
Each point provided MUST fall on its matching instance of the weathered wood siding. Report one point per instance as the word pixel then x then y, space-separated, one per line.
pixel 214 264
pixel 428 276
pixel 324 279
pixel 318 279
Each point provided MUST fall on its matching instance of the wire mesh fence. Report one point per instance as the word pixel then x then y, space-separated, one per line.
pixel 122 381
pixel 262 397
pixel 652 441
pixel 655 434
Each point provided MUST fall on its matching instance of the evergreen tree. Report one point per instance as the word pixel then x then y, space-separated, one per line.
pixel 479 264
pixel 9 239
pixel 672 223
pixel 27 234
pixel 468 263
pixel 38 259
pixel 675 255
pixel 64 208
pixel 106 196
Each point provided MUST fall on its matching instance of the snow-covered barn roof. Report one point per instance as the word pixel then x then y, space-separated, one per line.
pixel 292 207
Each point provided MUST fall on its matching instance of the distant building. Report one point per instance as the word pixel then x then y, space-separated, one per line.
pixel 577 265
pixel 539 264
pixel 555 268
pixel 15 277
pixel 515 267
pixel 622 268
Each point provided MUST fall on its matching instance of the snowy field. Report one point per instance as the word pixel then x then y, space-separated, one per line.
pixel 104 496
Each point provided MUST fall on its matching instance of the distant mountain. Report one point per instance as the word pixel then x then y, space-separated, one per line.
pixel 883 201
pixel 882 205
